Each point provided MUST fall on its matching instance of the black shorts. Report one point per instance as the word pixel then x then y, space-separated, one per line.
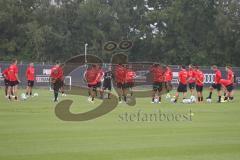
pixel 6 82
pixel 168 85
pixel 99 85
pixel 30 83
pixel 62 83
pixel 120 85
pixel 57 85
pixel 230 88
pixel 130 84
pixel 217 86
pixel 157 86
pixel 191 85
pixel 13 83
pixel 92 85
pixel 182 87
pixel 199 88
pixel 107 86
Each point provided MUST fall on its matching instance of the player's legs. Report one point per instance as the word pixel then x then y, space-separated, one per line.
pixel 211 88
pixel 15 90
pixel 168 86
pixel 6 82
pixel 182 88
pixel 154 91
pixel 231 95
pixel 219 90
pixel 29 88
pixel 62 90
pixel 230 92
pixel 93 92
pixel 159 92
pixel 192 87
pixel 120 91
pixel 101 91
pixel 10 89
pixel 109 91
pixel 176 97
pixel 130 88
pixel 125 91
pixel 184 95
pixel 107 86
pixel 56 88
pixel 199 90
pixel 6 90
pixel 225 93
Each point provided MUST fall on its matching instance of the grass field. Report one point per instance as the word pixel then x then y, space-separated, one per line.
pixel 29 130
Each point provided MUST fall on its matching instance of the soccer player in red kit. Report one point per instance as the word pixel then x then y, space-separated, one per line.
pixel 129 80
pixel 13 80
pixel 6 81
pixel 199 78
pixel 182 86
pixel 168 76
pixel 30 75
pixel 119 77
pixel 56 78
pixel 191 79
pixel 217 85
pixel 91 77
pixel 228 84
pixel 157 72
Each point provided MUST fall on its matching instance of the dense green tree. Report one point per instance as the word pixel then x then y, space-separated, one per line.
pixel 169 31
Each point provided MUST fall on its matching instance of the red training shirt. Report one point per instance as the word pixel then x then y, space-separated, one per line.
pixel 225 82
pixel 91 76
pixel 120 74
pixel 230 75
pixel 168 76
pixel 182 76
pixel 191 76
pixel 12 72
pixel 158 74
pixel 130 75
pixel 56 72
pixel 199 78
pixel 5 73
pixel 218 76
pixel 30 73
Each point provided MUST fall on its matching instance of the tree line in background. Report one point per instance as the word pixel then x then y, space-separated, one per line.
pixel 201 32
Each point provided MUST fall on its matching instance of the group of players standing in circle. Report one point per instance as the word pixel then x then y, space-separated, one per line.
pixel 123 77
pixel 162 76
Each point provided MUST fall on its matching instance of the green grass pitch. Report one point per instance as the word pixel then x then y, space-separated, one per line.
pixel 29 130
